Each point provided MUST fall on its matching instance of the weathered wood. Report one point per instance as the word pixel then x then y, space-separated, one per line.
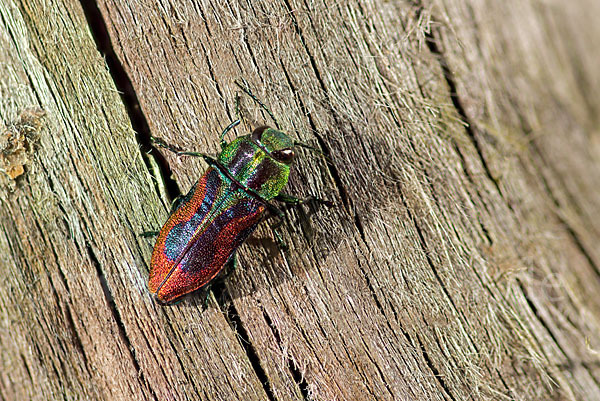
pixel 460 263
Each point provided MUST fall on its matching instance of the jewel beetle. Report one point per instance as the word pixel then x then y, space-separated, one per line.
pixel 222 209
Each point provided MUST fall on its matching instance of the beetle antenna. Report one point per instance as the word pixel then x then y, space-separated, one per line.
pixel 246 89
pixel 318 151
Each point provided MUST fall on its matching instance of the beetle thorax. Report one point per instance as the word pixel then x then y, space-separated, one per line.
pixel 250 165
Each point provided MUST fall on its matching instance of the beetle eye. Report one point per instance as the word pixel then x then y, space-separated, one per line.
pixel 257 133
pixel 284 155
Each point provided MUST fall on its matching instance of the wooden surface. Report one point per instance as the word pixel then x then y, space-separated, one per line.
pixel 461 261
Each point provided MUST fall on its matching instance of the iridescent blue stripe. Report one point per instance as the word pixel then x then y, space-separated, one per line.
pixel 182 233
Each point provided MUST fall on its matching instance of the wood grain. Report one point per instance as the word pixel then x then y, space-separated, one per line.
pixel 460 261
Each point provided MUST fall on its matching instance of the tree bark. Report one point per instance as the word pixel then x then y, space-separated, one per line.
pixel 460 261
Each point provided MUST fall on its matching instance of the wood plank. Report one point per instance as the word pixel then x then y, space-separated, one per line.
pixel 78 321
pixel 458 264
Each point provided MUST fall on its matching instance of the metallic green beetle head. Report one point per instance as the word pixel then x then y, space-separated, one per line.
pixel 277 144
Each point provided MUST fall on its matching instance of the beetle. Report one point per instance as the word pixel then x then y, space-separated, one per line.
pixel 206 226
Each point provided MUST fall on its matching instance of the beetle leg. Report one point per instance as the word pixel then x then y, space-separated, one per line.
pixel 230 266
pixel 292 200
pixel 206 295
pixel 279 215
pixel 148 234
pixel 278 238
pixel 178 151
pixel 164 145
pixel 176 202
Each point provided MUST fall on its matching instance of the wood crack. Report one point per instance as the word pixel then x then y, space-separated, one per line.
pixel 432 44
pixel 235 323
pixel 297 376
pixel 129 97
pixel 117 318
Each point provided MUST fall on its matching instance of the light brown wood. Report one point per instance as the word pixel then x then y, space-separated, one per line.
pixel 459 263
